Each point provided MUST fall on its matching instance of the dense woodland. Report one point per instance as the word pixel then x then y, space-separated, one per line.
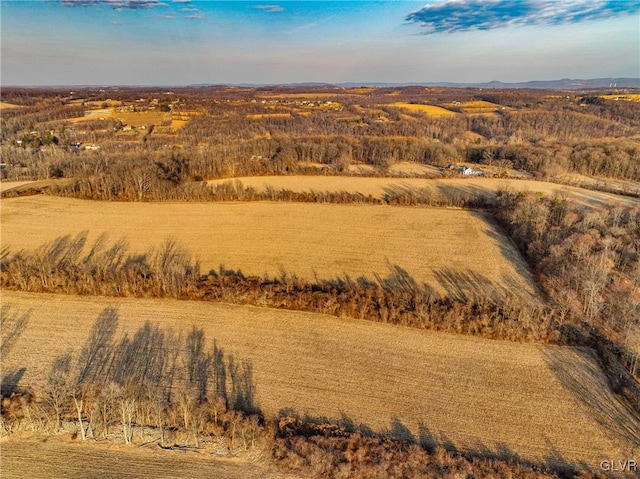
pixel 587 263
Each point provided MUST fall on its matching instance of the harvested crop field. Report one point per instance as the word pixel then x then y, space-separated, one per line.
pixel 8 185
pixel 543 403
pixel 7 106
pixel 452 250
pixel 429 110
pixel 483 187
pixel 21 187
pixel 64 460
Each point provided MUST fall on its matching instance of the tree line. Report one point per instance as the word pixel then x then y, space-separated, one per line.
pixel 588 262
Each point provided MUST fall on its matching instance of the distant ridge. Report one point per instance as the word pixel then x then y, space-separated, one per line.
pixel 564 84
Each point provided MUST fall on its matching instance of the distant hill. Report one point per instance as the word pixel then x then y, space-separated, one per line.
pixel 564 84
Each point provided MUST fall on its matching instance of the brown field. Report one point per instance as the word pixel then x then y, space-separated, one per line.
pixel 414 169
pixel 362 169
pixel 310 240
pixel 613 184
pixel 477 186
pixel 73 460
pixel 6 106
pixel 430 110
pixel 543 403
pixel 133 118
pixel 9 185
pixel 23 186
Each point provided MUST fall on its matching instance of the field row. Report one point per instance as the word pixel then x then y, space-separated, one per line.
pixel 477 187
pixel 544 403
pixel 452 250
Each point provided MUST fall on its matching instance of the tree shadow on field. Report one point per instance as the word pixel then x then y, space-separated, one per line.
pixel 579 373
pixel 400 432
pixel 12 325
pixel 399 279
pixel 96 353
pixel 466 285
pixel 463 191
pixel 407 194
pixel 509 251
pixel 10 381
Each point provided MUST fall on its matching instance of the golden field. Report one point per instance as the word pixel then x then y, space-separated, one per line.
pixel 622 96
pixel 7 106
pixel 543 403
pixel 378 186
pixel 309 240
pixel 430 110
pixel 133 118
pixel 478 107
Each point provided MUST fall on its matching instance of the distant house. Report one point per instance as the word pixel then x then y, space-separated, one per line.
pixel 466 171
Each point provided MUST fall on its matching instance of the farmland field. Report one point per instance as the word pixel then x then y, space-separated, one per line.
pixel 544 403
pixel 132 118
pixel 478 107
pixel 6 106
pixel 327 241
pixel 63 460
pixel 19 187
pixel 377 187
pixel 9 185
pixel 430 110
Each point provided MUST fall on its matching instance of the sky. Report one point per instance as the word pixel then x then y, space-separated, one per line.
pixel 181 42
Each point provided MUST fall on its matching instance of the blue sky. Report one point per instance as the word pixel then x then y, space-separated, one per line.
pixel 165 42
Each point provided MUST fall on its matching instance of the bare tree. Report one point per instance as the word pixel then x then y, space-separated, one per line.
pixel 128 408
pixel 58 387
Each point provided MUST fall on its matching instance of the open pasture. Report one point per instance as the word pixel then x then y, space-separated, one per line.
pixel 544 403
pixel 452 250
pixel 429 110
pixel 378 187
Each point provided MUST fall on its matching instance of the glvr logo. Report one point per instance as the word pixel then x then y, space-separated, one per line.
pixel 619 466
